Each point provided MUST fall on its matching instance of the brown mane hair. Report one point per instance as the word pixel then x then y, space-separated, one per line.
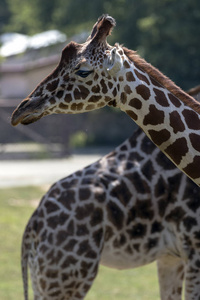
pixel 162 79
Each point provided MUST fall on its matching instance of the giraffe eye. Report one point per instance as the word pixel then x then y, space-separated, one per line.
pixel 83 74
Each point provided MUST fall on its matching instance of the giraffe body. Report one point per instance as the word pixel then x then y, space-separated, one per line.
pixel 126 210
pixel 94 74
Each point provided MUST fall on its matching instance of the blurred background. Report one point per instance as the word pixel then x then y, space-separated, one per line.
pixel 32 34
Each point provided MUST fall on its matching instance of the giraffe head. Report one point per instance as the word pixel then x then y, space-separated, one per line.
pixel 84 79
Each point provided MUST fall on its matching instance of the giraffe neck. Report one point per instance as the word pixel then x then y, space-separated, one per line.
pixel 168 116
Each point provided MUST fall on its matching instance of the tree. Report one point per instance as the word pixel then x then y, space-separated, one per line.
pixel 165 32
pixel 169 38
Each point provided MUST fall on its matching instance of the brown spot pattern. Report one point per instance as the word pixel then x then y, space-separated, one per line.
pixel 59 94
pixel 176 215
pixel 52 100
pixel 192 119
pixel 110 84
pixel 63 106
pixel 96 76
pixel 159 137
pixel 89 82
pixel 67 198
pixel 154 117
pixel 104 86
pixel 101 104
pixel 96 217
pixel 68 98
pixel 161 98
pixel 114 92
pixel 143 209
pixel 90 107
pixel 189 222
pixel 115 214
pixel 121 193
pixel 132 115
pixel 94 99
pixel 129 76
pixel 84 194
pixel 140 185
pixel 57 220
pixel 123 97
pixel 84 91
pixel 69 87
pixel 84 211
pixel 155 82
pixel 138 231
pixel 193 169
pixel 126 65
pixel 195 140
pixel 51 207
pixel 148 170
pixel 51 86
pixel 136 103
pixel 174 100
pixel 77 94
pixel 143 91
pixel 176 122
pixel 96 89
pixel 142 77
pixel 177 150
pixel 77 106
pixel 127 89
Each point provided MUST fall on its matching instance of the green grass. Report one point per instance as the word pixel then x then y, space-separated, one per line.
pixel 17 205
pixel 15 209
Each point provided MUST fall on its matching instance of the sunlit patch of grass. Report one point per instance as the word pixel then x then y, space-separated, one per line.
pixel 15 210
pixel 140 284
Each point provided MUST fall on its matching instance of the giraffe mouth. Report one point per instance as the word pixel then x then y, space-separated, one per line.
pixel 27 112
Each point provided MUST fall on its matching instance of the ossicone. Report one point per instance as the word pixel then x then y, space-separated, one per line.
pixel 102 28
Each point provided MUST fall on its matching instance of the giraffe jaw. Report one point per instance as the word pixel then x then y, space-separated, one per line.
pixel 25 119
pixel 29 111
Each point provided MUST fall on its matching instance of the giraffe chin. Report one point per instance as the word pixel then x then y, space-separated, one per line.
pixel 31 119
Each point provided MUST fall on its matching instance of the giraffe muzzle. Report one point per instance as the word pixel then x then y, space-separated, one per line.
pixel 28 111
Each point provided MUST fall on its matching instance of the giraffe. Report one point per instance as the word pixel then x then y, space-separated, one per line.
pixel 94 74
pixel 195 92
pixel 128 209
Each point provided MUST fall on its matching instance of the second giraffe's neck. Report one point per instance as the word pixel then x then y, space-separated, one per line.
pixel 169 117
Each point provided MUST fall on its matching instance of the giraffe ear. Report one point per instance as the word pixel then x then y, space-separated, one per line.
pixel 102 29
pixel 114 63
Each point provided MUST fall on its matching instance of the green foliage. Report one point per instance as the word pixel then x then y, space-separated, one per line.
pixel 169 37
pixel 17 205
pixel 16 208
pixel 165 32
pixel 78 139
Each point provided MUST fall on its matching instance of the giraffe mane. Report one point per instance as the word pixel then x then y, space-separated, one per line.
pixel 162 79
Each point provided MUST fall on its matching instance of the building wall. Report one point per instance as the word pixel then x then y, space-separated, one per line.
pixel 18 80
